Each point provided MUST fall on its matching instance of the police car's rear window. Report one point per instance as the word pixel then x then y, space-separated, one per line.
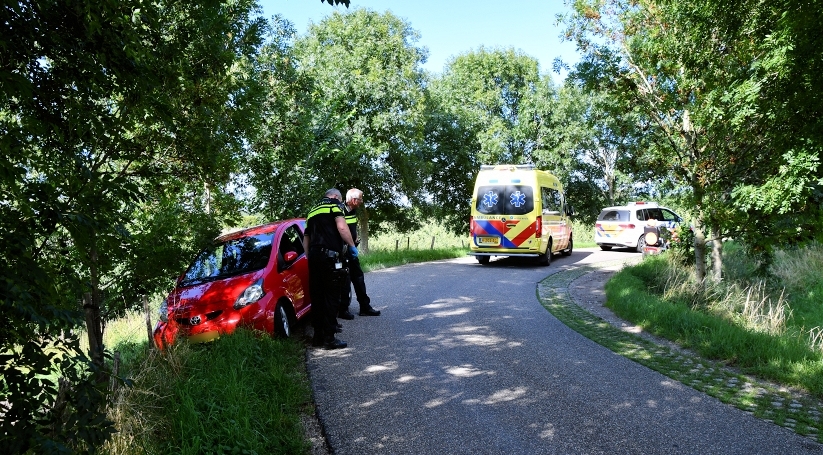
pixel 505 200
pixel 613 215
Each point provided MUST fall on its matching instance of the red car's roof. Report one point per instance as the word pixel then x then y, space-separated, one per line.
pixel 254 230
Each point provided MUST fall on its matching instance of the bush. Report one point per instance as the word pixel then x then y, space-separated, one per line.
pixel 681 244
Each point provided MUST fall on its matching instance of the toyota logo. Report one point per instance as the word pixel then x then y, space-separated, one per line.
pixel 195 320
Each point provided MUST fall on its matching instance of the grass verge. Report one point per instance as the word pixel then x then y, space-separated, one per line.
pixel 246 393
pixel 381 259
pixel 241 394
pixel 785 406
pixel 782 357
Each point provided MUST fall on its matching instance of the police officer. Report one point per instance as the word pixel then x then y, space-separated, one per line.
pixel 324 240
pixel 354 198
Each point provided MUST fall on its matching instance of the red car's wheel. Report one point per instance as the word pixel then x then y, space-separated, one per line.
pixel 283 321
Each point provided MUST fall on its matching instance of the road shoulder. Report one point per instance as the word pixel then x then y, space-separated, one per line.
pixel 576 296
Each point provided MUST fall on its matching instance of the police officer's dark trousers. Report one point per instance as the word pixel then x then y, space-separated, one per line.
pixel 358 280
pixel 325 281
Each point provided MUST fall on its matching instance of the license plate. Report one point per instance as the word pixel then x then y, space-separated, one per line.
pixel 487 240
pixel 204 337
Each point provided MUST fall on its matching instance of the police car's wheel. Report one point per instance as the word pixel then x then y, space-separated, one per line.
pixel 483 259
pixel 641 243
pixel 605 247
pixel 282 321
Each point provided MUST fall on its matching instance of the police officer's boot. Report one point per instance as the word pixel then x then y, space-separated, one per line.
pixel 334 343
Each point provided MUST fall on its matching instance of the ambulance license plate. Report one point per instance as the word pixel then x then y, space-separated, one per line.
pixel 488 240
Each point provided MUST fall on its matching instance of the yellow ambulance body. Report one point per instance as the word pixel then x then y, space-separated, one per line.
pixel 518 210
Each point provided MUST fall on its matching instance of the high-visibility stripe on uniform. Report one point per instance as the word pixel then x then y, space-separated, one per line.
pixel 321 227
pixel 324 208
pixel 351 221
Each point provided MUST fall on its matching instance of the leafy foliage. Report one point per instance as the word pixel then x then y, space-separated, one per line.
pixel 367 114
pixel 118 116
pixel 276 166
pixel 694 77
pixel 490 106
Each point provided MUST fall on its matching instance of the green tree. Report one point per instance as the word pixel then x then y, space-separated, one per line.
pixel 367 112
pixel 487 89
pixel 276 167
pixel 591 133
pixel 488 107
pixel 677 78
pixel 114 116
pixel 777 42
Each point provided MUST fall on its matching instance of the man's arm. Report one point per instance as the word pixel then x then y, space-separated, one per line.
pixel 344 231
pixel 306 243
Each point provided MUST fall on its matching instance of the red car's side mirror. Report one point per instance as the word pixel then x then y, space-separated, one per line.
pixel 289 257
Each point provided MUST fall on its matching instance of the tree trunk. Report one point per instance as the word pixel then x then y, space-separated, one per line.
pixel 699 254
pixel 93 330
pixel 207 197
pixel 717 255
pixel 699 245
pixel 690 138
pixel 364 230
pixel 91 308
pixel 147 312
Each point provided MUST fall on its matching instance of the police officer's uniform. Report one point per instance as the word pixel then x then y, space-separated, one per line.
pixel 326 271
pixel 356 275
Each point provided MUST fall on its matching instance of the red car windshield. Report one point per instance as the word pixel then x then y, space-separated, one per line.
pixel 230 258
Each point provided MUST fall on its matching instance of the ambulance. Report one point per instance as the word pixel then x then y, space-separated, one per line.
pixel 518 210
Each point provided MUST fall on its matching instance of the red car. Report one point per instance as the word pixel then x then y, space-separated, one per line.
pixel 256 278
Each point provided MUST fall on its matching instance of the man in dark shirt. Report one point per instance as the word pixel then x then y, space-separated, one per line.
pixel 324 240
pixel 354 198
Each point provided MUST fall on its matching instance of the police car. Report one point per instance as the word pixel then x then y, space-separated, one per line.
pixel 622 226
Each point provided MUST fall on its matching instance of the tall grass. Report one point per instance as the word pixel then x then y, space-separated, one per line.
pixel 583 234
pixel 244 393
pixel 799 271
pixel 745 320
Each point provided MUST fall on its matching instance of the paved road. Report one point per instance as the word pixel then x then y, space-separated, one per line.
pixel 465 360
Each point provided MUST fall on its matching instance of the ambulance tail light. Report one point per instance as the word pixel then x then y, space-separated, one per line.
pixel 538 227
pixel 471 226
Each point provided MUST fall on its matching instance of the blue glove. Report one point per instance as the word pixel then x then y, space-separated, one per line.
pixel 353 251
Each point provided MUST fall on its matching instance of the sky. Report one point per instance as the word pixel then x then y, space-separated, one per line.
pixel 452 27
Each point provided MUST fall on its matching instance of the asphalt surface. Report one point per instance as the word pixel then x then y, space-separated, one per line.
pixel 465 360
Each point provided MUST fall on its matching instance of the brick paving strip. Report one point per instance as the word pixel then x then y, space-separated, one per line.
pixel 576 297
